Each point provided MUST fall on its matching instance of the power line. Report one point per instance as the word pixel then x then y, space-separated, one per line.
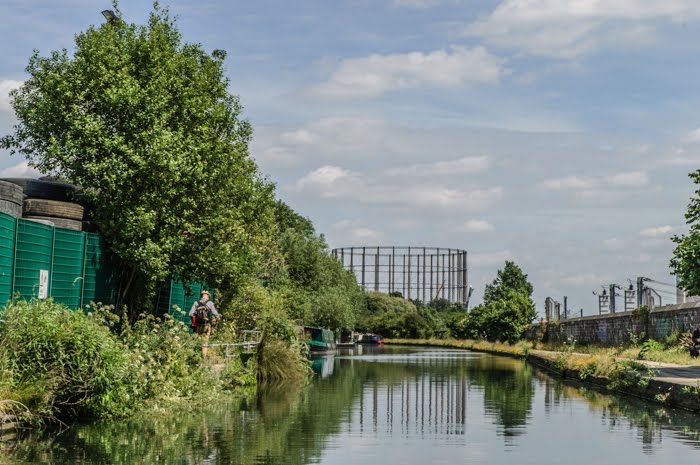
pixel 659 282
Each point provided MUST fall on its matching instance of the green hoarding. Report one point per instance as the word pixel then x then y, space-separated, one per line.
pixel 8 230
pixel 33 256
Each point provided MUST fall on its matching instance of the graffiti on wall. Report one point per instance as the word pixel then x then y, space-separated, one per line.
pixel 603 330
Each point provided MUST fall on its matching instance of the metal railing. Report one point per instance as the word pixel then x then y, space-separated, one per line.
pixel 250 339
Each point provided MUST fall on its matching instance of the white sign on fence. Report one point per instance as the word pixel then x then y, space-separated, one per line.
pixel 43 284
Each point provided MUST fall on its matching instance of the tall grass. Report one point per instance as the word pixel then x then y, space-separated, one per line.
pixel 63 364
pixel 54 360
pixel 278 361
pixel 281 354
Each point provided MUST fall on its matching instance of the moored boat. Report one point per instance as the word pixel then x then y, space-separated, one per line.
pixel 319 339
pixel 370 339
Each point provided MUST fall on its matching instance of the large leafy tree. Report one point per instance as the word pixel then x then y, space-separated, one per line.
pixel 144 121
pixel 510 278
pixel 686 255
pixel 319 290
pixel 507 310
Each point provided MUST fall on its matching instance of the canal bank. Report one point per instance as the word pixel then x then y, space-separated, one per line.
pixel 393 404
pixel 664 383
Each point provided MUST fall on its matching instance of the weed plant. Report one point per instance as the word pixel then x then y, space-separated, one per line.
pixel 63 364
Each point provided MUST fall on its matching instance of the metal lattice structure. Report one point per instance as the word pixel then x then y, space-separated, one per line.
pixel 423 273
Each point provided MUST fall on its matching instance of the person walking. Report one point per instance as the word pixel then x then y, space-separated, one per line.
pixel 203 313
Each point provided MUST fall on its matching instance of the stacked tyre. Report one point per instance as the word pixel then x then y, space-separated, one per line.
pixel 11 198
pixel 48 201
pixel 62 214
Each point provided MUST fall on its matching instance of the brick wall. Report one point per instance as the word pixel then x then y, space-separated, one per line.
pixel 616 328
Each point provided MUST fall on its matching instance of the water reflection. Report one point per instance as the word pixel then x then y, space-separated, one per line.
pixel 323 364
pixel 392 405
pixel 652 422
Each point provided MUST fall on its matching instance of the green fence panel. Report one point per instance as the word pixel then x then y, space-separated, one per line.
pixel 161 301
pixel 8 228
pixel 192 291
pixel 67 267
pixel 101 275
pixel 183 295
pixel 177 294
pixel 34 249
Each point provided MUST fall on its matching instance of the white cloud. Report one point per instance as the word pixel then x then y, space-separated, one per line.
pixel 490 259
pixel 614 244
pixel 332 136
pixel 660 231
pixel 377 74
pixel 476 226
pixel 301 136
pixel 593 188
pixel 464 165
pixel 20 170
pixel 366 234
pixel 600 196
pixel 656 243
pixel 325 181
pixel 337 183
pixel 585 279
pixel 5 87
pixel 275 155
pixel 693 136
pixel 406 224
pixel 629 179
pixel 570 182
pixel 354 230
pixel 570 29
pixel 429 197
pixel 681 161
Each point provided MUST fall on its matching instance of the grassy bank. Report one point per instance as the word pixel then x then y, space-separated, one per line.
pixel 608 368
pixel 517 349
pixel 57 364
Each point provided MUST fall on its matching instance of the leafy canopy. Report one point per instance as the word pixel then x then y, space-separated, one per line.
pixel 510 278
pixel 145 123
pixel 686 256
pixel 506 312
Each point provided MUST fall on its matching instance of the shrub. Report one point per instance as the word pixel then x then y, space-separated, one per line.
pixel 281 354
pixel 65 364
pixel 57 361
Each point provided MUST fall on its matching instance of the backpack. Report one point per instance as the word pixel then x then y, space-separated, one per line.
pixel 203 314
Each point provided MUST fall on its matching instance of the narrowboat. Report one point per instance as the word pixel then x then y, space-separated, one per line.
pixel 319 339
pixel 370 339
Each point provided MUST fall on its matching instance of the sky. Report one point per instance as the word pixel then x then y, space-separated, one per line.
pixel 555 133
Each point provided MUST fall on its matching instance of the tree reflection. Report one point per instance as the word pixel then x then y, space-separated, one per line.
pixel 508 391
pixel 422 396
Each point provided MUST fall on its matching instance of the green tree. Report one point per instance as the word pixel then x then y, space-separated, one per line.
pixel 686 256
pixel 510 278
pixel 320 292
pixel 378 302
pixel 144 121
pixel 500 320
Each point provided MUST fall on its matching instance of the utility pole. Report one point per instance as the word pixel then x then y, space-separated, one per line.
pixel 603 302
pixel 629 298
pixel 566 314
pixel 640 291
pixel 612 296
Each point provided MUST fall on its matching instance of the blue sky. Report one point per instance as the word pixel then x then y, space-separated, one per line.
pixel 555 133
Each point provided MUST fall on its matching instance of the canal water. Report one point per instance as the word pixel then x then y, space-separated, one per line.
pixel 392 406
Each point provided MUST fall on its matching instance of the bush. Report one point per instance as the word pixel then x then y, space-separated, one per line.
pixel 56 361
pixel 278 361
pixel 64 364
pixel 166 360
pixel 281 354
